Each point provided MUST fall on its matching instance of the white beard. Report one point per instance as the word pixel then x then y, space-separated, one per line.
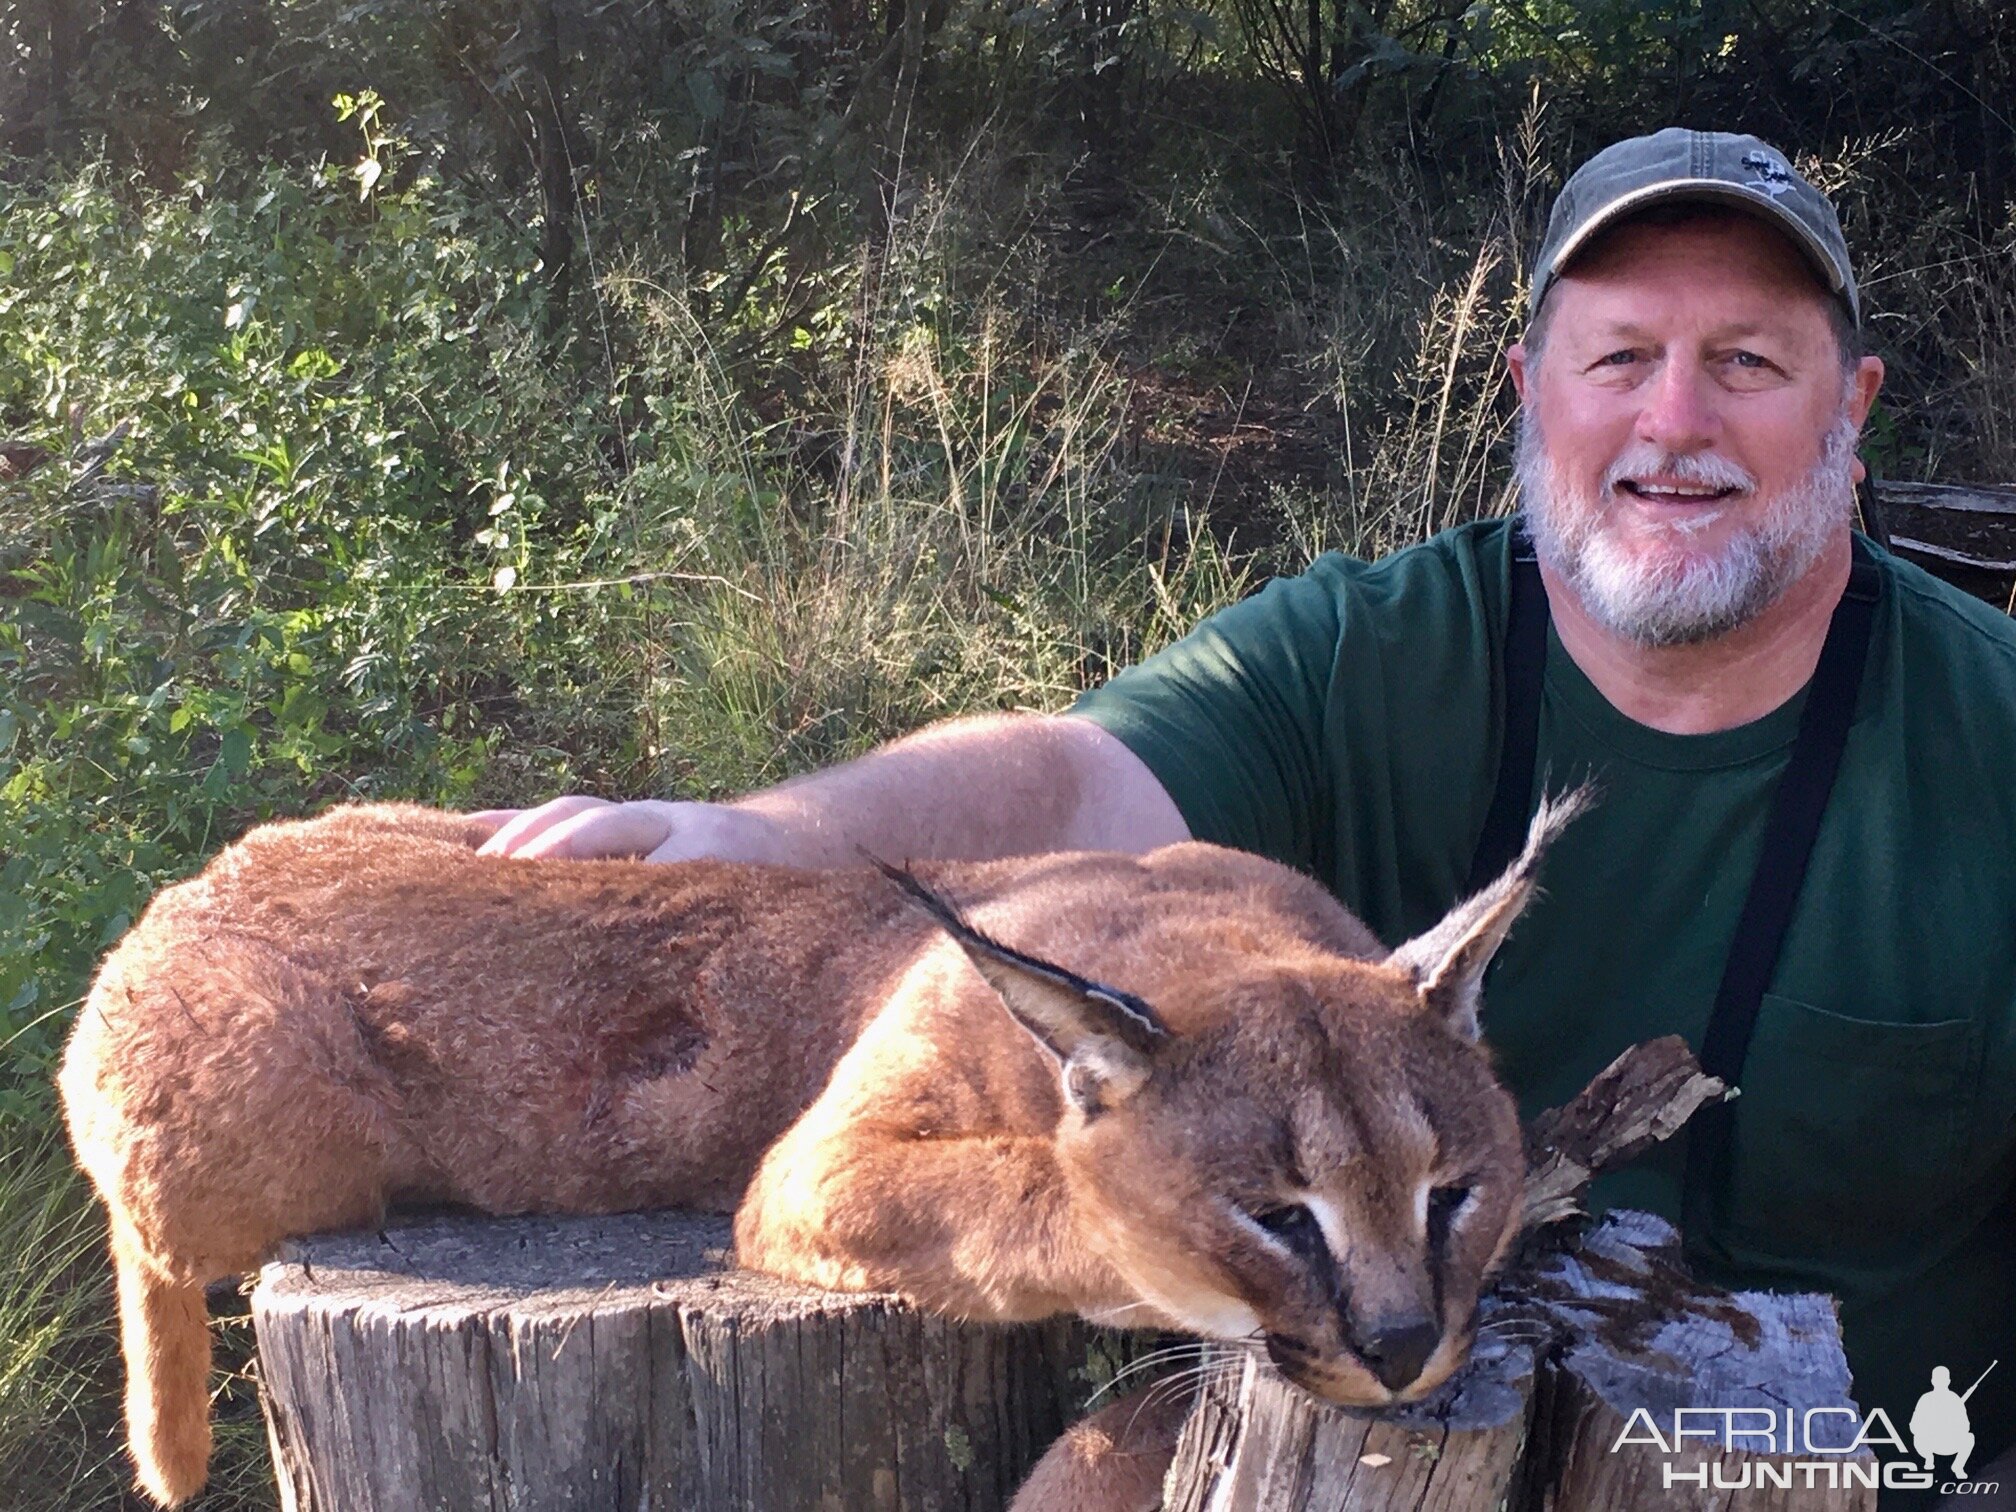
pixel 1683 597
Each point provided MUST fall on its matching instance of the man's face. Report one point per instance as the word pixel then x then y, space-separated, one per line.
pixel 1687 440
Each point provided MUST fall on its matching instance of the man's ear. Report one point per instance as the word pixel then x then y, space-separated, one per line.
pixel 1101 1038
pixel 1447 963
pixel 1518 362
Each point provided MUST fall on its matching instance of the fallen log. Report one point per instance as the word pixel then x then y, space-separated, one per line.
pixel 1964 533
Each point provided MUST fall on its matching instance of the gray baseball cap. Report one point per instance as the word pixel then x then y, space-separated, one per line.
pixel 1677 164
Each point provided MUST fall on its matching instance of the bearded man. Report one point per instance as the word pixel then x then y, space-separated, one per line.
pixel 1805 856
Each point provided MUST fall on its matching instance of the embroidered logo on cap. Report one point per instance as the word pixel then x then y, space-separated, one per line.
pixel 1774 177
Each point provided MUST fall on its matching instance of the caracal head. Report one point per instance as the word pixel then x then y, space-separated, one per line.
pixel 1331 1170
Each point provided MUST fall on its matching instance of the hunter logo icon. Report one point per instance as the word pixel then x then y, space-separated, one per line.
pixel 1773 176
pixel 1939 1422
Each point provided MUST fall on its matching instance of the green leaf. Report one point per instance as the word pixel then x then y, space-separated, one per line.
pixel 706 94
pixel 302 707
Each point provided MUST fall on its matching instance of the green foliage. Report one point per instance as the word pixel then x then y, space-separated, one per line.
pixel 49 1294
pixel 302 383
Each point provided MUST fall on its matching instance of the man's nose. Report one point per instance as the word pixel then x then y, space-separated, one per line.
pixel 1679 413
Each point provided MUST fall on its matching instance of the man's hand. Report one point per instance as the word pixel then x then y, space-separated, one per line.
pixel 579 827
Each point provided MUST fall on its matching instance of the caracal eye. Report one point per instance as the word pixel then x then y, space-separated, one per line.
pixel 1293 1224
pixel 1444 1203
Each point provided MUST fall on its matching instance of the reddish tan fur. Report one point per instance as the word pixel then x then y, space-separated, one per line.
pixel 1115 1460
pixel 355 1011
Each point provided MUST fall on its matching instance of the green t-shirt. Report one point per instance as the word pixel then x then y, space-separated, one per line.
pixel 1348 722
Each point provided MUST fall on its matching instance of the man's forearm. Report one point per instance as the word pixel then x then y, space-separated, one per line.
pixel 975 789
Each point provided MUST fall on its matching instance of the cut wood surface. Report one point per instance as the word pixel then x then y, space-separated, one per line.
pixel 1636 1335
pixel 552 1363
pixel 1256 1442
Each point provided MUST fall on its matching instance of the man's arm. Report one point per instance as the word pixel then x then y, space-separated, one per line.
pixel 966 789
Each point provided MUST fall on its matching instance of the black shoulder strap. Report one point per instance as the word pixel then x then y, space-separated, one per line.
pixel 1793 823
pixel 1525 660
pixel 1789 832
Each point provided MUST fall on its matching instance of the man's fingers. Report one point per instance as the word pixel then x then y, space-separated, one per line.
pixel 582 828
pixel 492 819
pixel 530 824
pixel 617 829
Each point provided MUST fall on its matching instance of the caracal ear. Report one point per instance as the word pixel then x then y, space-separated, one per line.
pixel 1101 1038
pixel 1448 961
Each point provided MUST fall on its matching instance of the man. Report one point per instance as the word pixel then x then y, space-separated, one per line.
pixel 1939 1423
pixel 1827 880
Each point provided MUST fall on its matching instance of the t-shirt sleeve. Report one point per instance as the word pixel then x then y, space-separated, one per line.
pixel 1232 720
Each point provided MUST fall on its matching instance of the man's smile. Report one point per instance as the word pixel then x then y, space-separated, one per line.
pixel 1668 491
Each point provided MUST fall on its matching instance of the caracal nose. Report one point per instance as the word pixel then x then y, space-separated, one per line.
pixel 1396 1352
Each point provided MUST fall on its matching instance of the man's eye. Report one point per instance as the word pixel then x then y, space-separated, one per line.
pixel 1750 360
pixel 1617 359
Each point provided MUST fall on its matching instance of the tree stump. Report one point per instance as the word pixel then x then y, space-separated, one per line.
pixel 1571 1347
pixel 1581 1333
pixel 1635 1335
pixel 1255 1442
pixel 548 1363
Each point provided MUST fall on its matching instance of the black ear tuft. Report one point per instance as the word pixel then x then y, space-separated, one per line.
pixel 1121 1015
pixel 1448 961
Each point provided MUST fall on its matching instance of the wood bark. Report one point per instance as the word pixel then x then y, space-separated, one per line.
pixel 1256 1443
pixel 554 132
pixel 546 1363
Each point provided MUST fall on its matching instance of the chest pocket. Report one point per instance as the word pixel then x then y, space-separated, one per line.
pixel 1848 1137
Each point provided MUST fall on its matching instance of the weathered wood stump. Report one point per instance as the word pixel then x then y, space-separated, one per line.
pixel 1572 1348
pixel 542 1364
pixel 1256 1443
pixel 1637 1340
pixel 1582 1334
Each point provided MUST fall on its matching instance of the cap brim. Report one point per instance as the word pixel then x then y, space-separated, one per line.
pixel 1721 191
